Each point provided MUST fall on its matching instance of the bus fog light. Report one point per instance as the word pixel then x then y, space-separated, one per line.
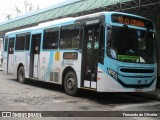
pixel 112 73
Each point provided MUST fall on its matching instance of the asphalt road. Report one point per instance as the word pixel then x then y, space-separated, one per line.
pixel 40 96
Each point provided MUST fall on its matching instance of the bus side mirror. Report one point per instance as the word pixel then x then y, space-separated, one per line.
pixel 101 56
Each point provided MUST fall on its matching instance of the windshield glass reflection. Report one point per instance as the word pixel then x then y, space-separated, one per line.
pixel 131 45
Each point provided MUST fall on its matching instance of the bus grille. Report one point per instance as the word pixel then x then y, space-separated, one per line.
pixel 54 76
pixel 126 70
pixel 136 77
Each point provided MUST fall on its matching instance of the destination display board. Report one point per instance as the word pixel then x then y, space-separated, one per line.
pixel 70 55
pixel 131 20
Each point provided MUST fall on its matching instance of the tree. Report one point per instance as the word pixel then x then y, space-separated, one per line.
pixel 28 7
pixel 17 10
pixel 8 16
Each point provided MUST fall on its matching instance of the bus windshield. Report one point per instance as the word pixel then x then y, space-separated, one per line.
pixel 131 45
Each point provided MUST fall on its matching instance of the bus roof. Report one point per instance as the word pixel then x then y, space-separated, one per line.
pixel 42 25
pixel 55 22
pixel 68 20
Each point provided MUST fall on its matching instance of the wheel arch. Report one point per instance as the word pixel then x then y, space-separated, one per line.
pixel 65 71
pixel 20 64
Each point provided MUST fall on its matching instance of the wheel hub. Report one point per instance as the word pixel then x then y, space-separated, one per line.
pixel 71 83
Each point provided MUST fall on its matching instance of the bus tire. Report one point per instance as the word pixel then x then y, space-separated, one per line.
pixel 70 84
pixel 21 75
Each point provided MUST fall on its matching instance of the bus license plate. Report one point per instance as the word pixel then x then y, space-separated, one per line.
pixel 138 90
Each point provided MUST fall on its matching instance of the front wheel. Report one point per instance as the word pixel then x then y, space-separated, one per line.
pixel 70 84
pixel 21 75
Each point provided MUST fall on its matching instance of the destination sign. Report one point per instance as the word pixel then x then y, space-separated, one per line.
pixel 131 20
pixel 70 55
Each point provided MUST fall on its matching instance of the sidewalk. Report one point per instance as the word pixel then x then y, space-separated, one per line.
pixel 151 95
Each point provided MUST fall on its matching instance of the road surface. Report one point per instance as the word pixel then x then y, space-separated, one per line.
pixel 40 96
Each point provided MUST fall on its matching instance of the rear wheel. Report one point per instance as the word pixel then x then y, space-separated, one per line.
pixel 70 84
pixel 21 75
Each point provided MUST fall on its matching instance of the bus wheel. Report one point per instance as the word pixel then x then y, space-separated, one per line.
pixel 70 84
pixel 21 75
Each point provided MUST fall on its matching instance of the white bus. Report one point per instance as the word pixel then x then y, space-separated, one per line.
pixel 104 52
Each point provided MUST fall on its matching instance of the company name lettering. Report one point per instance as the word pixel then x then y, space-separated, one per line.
pixel 92 22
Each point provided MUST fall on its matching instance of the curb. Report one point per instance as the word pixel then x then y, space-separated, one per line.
pixel 149 95
pixel 152 95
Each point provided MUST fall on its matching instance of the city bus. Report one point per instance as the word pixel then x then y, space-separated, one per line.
pixel 103 52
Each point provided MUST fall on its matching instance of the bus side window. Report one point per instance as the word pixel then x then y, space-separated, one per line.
pixel 20 42
pixel 36 43
pixel 51 37
pixel 70 36
pixel 11 45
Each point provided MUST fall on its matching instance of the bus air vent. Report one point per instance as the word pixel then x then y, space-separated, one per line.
pixel 54 76
pixel 126 70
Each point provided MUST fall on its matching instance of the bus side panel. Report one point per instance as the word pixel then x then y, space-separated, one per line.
pixel 26 64
pixel 106 83
pixel 52 65
pixel 10 63
pixel 5 62
pixel 19 58
pixel 46 65
pixel 58 57
pixel 73 63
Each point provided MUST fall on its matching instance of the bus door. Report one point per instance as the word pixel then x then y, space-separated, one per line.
pixel 10 55
pixel 35 55
pixel 90 56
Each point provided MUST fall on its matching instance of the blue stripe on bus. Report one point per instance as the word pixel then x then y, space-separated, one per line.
pixel 49 67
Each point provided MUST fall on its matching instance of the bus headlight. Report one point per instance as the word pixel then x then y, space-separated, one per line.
pixel 113 73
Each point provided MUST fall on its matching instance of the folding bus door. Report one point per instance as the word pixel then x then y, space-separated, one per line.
pixel 35 55
pixel 10 55
pixel 90 56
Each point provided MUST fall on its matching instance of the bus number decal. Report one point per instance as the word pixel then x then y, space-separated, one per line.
pixel 57 56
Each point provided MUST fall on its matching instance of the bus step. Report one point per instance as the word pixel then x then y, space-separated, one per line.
pixel 87 88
